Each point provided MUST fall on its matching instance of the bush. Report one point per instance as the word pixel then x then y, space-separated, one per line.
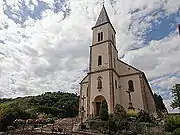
pixel 111 125
pixel 103 112
pixel 121 124
pixel 143 116
pixel 171 123
pixel 176 131
pixel 119 112
pixel 95 124
pixel 83 126
pixel 132 113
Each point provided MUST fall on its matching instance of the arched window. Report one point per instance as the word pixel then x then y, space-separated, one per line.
pixel 99 60
pixel 131 86
pixel 100 36
pixel 115 84
pixel 99 82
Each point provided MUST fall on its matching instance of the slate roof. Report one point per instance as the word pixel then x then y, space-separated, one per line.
pixel 103 17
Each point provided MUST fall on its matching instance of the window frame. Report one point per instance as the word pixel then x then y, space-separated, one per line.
pixel 99 83
pixel 99 60
pixel 100 36
pixel 131 86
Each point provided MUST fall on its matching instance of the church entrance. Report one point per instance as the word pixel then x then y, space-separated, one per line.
pixel 97 104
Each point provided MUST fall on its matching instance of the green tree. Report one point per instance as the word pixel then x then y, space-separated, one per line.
pixel 176 96
pixel 160 106
pixel 103 112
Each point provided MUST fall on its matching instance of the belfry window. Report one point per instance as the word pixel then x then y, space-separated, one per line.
pixel 99 60
pixel 115 84
pixel 131 86
pixel 100 36
pixel 99 82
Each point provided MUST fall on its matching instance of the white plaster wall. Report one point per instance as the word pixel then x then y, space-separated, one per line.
pixel 101 49
pixel 117 93
pixel 107 33
pixel 136 95
pixel 105 88
pixel 124 69
pixel 150 99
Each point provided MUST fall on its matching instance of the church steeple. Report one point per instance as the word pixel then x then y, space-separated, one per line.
pixel 103 17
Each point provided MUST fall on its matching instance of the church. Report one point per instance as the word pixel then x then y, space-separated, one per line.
pixel 111 79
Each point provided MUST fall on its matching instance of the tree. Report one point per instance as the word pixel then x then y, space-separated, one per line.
pixel 160 107
pixel 103 112
pixel 176 96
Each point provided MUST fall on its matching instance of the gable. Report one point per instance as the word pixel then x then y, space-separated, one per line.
pixel 126 69
pixel 85 79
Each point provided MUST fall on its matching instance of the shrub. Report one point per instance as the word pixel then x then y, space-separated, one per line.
pixel 119 112
pixel 103 113
pixel 111 125
pixel 176 131
pixel 95 124
pixel 132 113
pixel 121 124
pixel 171 123
pixel 143 116
pixel 83 126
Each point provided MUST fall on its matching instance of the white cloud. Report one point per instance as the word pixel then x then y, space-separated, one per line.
pixel 51 54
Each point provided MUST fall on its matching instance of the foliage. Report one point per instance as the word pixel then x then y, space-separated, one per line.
pixel 119 112
pixel 103 112
pixel 132 113
pixel 176 131
pixel 171 123
pixel 56 112
pixel 56 104
pixel 143 116
pixel 121 124
pixel 65 101
pixel 160 107
pixel 111 125
pixel 95 124
pixel 176 96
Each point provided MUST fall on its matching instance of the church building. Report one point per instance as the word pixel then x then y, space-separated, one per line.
pixel 111 79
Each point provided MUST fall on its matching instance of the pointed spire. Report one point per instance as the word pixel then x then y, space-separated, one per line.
pixel 103 17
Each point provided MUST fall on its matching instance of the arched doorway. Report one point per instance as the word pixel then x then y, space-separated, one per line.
pixel 97 104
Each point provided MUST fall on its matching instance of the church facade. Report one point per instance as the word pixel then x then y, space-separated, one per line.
pixel 111 79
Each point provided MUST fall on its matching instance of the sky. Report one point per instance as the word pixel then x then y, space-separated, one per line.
pixel 44 44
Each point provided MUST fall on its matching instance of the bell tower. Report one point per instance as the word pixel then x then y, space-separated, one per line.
pixel 103 52
pixel 102 65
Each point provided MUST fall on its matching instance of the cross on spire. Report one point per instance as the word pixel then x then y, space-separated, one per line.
pixel 103 2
